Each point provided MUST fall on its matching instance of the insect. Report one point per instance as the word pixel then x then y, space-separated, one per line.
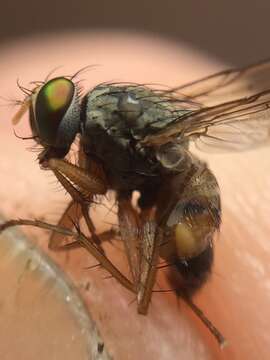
pixel 134 138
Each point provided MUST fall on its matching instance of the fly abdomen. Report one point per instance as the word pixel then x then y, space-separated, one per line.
pixel 194 272
pixel 188 212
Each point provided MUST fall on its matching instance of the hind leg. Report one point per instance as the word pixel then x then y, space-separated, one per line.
pixel 190 216
pixel 187 211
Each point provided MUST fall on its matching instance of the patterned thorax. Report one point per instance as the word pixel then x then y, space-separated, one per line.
pixel 115 120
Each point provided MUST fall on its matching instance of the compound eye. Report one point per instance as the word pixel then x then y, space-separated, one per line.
pixel 56 112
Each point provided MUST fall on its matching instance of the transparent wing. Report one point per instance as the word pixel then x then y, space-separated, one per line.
pixel 239 124
pixel 228 85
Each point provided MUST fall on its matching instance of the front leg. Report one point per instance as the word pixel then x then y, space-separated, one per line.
pixel 82 185
pixel 79 207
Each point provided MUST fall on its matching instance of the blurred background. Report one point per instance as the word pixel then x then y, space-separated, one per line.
pixel 234 32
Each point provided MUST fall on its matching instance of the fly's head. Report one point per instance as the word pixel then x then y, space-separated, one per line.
pixel 54 116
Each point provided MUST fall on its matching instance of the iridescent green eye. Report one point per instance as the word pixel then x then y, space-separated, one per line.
pixel 57 94
pixel 56 112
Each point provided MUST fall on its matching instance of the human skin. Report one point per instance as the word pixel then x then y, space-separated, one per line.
pixel 236 298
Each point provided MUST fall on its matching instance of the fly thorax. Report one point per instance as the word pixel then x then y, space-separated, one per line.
pixel 115 120
pixel 130 112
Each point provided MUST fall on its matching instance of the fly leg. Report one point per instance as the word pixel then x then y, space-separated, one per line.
pixel 74 211
pixel 80 241
pixel 141 240
pixel 151 240
pixel 82 186
pixel 188 212
pixel 129 227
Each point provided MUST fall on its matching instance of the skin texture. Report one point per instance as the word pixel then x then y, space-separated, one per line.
pixel 236 298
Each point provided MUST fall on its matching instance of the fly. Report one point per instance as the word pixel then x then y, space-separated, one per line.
pixel 134 138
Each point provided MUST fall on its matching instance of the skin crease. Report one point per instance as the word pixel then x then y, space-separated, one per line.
pixel 236 298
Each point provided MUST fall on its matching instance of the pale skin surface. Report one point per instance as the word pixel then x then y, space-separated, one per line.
pixel 237 298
